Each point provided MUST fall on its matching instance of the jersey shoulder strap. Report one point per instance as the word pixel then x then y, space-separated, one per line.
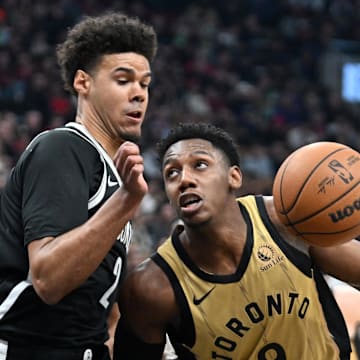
pixel 108 164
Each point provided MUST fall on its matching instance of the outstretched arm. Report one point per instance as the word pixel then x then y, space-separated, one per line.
pixel 341 261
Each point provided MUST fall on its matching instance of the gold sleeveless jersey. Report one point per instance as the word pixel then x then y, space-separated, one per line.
pixel 269 309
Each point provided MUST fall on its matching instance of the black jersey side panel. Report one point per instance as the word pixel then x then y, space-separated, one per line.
pixel 335 321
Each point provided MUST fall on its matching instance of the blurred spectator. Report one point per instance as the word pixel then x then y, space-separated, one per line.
pixel 252 67
pixel 8 134
pixel 4 170
pixel 258 162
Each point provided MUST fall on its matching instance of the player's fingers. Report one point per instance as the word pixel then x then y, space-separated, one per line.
pixel 125 166
pixel 126 149
pixel 134 181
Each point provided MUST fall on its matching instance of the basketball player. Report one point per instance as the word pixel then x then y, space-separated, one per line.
pixel 230 283
pixel 65 211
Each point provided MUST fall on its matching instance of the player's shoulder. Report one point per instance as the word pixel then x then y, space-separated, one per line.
pixel 59 137
pixel 146 279
pixel 61 143
pixel 282 230
pixel 147 289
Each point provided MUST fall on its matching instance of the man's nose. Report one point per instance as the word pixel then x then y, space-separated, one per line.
pixel 187 179
pixel 138 93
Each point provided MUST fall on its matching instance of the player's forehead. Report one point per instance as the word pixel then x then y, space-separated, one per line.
pixel 129 62
pixel 188 148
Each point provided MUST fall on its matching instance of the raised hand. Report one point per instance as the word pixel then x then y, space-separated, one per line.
pixel 130 165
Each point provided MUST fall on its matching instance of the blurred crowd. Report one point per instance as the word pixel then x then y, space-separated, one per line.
pixel 253 67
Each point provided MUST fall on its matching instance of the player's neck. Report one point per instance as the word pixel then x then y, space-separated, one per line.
pixel 109 145
pixel 217 249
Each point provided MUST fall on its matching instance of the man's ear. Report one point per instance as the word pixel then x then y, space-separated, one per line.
pixel 81 82
pixel 235 177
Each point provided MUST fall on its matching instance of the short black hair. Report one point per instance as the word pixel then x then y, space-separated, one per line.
pixel 218 137
pixel 94 36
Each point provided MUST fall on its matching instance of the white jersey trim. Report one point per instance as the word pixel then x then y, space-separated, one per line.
pixel 125 236
pixel 3 349
pixel 12 297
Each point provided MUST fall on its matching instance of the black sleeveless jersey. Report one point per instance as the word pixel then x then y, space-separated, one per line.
pixel 60 181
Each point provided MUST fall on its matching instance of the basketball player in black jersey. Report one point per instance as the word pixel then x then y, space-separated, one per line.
pixel 66 209
pixel 230 283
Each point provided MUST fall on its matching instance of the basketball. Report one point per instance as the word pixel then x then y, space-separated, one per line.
pixel 316 193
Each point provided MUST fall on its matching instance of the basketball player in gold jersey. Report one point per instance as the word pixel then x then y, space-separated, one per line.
pixel 230 283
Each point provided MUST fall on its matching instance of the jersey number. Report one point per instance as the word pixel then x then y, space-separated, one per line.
pixel 272 351
pixel 104 301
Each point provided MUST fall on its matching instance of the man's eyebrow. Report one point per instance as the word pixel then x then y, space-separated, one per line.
pixel 171 158
pixel 131 71
pixel 203 152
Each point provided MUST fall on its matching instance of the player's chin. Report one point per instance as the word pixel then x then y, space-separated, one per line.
pixel 194 220
pixel 131 135
pixel 195 223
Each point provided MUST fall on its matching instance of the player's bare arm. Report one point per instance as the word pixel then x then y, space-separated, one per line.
pixel 148 306
pixel 341 261
pixel 56 267
pixel 148 303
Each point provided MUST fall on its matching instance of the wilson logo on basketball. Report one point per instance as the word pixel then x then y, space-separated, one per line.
pixel 346 212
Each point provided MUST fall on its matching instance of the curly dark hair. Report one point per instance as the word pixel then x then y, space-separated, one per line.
pixel 217 136
pixel 95 36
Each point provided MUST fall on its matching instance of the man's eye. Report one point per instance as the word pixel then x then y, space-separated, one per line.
pixel 122 81
pixel 201 164
pixel 171 173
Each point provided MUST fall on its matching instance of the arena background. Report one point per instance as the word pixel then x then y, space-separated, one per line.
pixel 277 74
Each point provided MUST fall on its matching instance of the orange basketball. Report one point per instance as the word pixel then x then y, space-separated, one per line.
pixel 317 193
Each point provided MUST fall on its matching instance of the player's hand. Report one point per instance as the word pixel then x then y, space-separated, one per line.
pixel 130 165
